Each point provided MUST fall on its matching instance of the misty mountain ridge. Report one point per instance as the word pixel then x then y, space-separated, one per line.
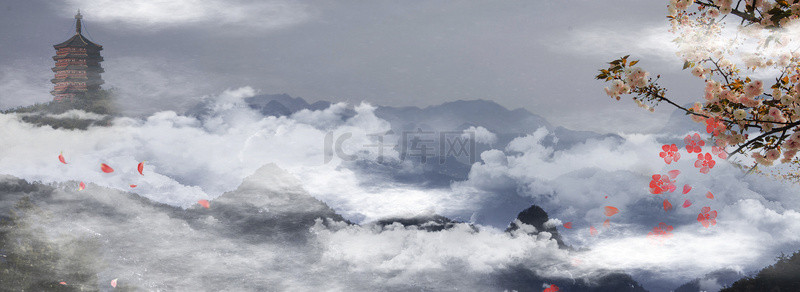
pixel 268 222
pixel 453 116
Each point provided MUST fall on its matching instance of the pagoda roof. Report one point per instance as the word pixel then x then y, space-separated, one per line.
pixel 78 40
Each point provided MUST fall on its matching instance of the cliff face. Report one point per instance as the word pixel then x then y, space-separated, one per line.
pixel 536 217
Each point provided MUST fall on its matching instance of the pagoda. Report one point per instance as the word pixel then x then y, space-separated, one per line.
pixel 77 70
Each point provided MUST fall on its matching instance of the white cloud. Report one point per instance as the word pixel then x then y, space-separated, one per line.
pixel 155 14
pixel 645 41
pixel 480 134
pixel 757 216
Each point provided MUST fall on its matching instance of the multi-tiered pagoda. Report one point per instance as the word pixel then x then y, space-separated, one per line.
pixel 77 66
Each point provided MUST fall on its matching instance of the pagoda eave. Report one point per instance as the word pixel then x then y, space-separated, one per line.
pixel 85 80
pixel 97 69
pixel 78 56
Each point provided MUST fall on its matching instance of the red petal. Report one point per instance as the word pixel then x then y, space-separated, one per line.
pixel 607 223
pixel 667 205
pixel 708 156
pixel 610 211
pixel 673 173
pixel 592 231
pixel 204 203
pixel 710 195
pixel 673 148
pixel 665 147
pixel 63 283
pixel 105 168
pixel 568 225
pixel 133 186
pixel 686 189
pixel 81 186
pixel 705 209
pixel 712 215
pixel 687 203
pixel 61 158
pixel 140 168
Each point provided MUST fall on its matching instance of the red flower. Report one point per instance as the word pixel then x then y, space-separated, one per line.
pixel 714 126
pixel 719 151
pixel 693 143
pixel 670 153
pixel 553 288
pixel 707 218
pixel 661 184
pixel 660 233
pixel 704 162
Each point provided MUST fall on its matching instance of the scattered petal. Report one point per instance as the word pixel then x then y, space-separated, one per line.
pixel 105 168
pixel 203 203
pixel 592 231
pixel 63 283
pixel 660 233
pixel 133 186
pixel 140 168
pixel 81 186
pixel 686 189
pixel 673 173
pixel 667 205
pixel 61 158
pixel 114 283
pixel 610 211
pixel 687 203
pixel 710 195
pixel 707 217
pixel 568 225
pixel 607 223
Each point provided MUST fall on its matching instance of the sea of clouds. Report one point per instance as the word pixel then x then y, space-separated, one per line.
pixel 192 158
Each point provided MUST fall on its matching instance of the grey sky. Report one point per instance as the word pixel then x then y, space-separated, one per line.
pixel 540 55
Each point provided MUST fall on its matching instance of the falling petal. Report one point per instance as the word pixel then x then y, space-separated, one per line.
pixel 686 189
pixel 61 158
pixel 592 231
pixel 114 283
pixel 140 168
pixel 133 186
pixel 81 186
pixel 607 223
pixel 568 225
pixel 610 211
pixel 687 203
pixel 105 168
pixel 667 205
pixel 710 195
pixel 203 203
pixel 63 283
pixel 606 197
pixel 673 173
